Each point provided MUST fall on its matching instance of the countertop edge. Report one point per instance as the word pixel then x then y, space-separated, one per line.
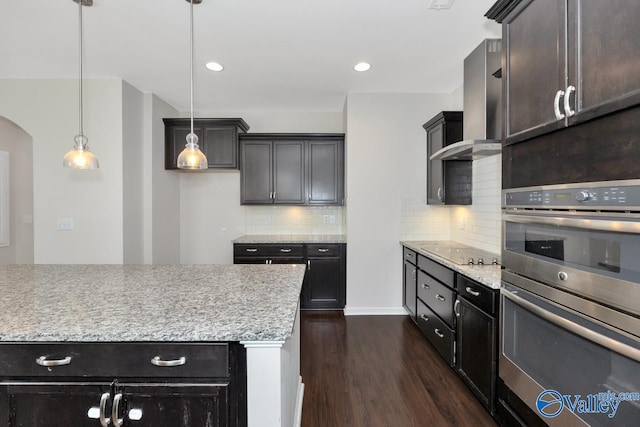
pixel 293 238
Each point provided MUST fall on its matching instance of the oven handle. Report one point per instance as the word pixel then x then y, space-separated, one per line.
pixel 618 347
pixel 584 223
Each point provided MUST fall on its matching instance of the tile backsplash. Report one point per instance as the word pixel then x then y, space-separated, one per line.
pixel 292 220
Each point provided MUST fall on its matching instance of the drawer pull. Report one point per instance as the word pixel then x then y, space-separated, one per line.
pixel 424 317
pixel 440 297
pixel 286 251
pixel 157 361
pixel 114 410
pixel 43 361
pixel 438 333
pixel 425 286
pixel 456 308
pixel 472 292
pixel 323 250
pixel 251 250
pixel 135 414
pixel 104 422
pixel 409 256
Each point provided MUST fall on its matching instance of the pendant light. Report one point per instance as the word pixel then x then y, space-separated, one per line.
pixel 79 157
pixel 191 157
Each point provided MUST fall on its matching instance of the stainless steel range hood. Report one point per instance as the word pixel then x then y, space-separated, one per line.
pixel 482 123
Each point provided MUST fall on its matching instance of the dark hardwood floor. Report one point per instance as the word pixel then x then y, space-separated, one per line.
pixel 378 371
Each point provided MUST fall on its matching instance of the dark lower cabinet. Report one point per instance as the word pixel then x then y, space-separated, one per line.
pixel 118 384
pixel 477 331
pixel 324 286
pixel 409 294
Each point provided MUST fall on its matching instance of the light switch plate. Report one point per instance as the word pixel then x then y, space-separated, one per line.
pixel 65 224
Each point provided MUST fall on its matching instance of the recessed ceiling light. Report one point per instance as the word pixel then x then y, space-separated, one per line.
pixel 214 66
pixel 362 66
pixel 441 4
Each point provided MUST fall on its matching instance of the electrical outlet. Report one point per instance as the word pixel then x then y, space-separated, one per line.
pixel 65 224
pixel 332 219
pixel 325 219
pixel 462 223
pixel 223 231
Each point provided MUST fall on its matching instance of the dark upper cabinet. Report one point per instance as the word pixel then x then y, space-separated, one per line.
pixel 217 138
pixel 448 181
pixel 566 62
pixel 292 169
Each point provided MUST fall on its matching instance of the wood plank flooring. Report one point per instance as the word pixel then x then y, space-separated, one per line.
pixel 374 371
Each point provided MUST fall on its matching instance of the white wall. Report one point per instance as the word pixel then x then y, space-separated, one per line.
pixel 162 189
pixel 48 111
pixel 211 216
pixel 19 145
pixel 386 158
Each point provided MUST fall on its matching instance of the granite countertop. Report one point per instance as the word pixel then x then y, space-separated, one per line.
pixel 116 303
pixel 488 275
pixel 295 238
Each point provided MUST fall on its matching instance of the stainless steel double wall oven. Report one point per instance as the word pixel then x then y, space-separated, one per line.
pixel 570 315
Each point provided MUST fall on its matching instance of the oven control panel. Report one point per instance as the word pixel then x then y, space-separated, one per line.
pixel 617 195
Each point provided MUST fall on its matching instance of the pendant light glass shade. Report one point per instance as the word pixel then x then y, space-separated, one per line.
pixel 79 157
pixel 191 157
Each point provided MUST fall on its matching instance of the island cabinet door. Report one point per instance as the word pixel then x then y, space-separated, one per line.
pixel 60 404
pixel 175 405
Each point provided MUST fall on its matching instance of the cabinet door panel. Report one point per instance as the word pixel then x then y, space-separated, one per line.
pixel 607 54
pixel 410 288
pixel 62 404
pixel 323 285
pixel 324 177
pixel 535 62
pixel 220 147
pixel 435 171
pixel 256 172
pixel 288 175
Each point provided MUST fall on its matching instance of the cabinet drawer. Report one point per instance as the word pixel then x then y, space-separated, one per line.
pixel 436 270
pixel 258 250
pixel 116 360
pixel 482 297
pixel 315 250
pixel 441 336
pixel 409 255
pixel 438 297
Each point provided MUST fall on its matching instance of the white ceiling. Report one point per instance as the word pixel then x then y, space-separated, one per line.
pixel 283 55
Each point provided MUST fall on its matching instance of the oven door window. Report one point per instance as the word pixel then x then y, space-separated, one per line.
pixel 558 359
pixel 610 254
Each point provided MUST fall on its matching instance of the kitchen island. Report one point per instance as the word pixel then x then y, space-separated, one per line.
pixel 239 322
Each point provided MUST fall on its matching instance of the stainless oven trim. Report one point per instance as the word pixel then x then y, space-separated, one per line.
pixel 618 293
pixel 561 322
pixel 614 320
pixel 619 225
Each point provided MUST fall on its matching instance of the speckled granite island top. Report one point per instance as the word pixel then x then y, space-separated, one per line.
pixel 488 275
pixel 296 238
pixel 177 303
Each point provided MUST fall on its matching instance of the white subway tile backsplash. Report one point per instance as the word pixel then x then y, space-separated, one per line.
pixel 292 220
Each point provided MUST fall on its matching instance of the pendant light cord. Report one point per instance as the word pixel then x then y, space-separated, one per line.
pixel 81 127
pixel 191 62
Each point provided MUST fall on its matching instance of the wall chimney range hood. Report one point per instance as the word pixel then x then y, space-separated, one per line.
pixel 482 123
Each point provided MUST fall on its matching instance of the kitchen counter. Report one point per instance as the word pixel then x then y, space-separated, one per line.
pixel 488 275
pixel 295 238
pixel 149 302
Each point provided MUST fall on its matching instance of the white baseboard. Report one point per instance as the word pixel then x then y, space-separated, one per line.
pixel 297 420
pixel 376 311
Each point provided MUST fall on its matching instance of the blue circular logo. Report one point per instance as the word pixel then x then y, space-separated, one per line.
pixel 549 403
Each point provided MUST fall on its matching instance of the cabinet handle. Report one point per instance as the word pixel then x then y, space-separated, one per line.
pixel 286 251
pixel 472 292
pixel 309 265
pixel 135 414
pixel 157 361
pixel 323 250
pixel 425 286
pixel 556 105
pixel 114 410
pixel 413 274
pixel 437 332
pixel 43 361
pixel 424 317
pixel 408 256
pixel 567 101
pixel 440 194
pixel 251 250
pixel 104 422
pixel 440 297
pixel 456 307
